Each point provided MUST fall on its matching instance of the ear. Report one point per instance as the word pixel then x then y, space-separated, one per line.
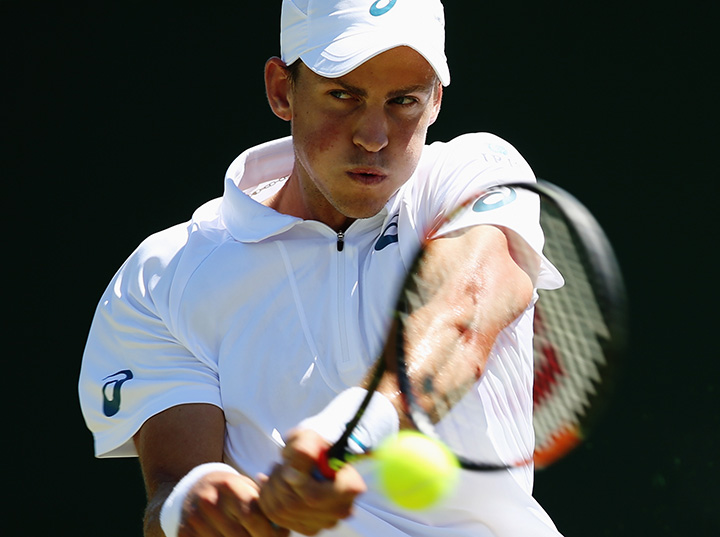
pixel 277 88
pixel 437 102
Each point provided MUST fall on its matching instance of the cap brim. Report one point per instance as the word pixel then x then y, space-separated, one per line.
pixel 346 53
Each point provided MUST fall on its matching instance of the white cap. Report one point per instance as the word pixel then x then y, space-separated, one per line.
pixel 333 37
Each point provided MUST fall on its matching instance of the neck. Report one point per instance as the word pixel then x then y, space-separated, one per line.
pixel 292 199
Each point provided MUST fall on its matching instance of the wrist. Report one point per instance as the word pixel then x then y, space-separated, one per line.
pixel 379 420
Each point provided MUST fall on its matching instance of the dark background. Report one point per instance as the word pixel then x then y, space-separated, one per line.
pixel 119 118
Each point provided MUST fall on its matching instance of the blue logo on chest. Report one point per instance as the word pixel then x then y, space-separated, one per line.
pixel 389 235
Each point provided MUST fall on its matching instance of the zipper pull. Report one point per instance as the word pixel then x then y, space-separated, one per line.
pixel 340 240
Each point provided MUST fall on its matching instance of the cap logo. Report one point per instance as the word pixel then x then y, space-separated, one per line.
pixel 380 7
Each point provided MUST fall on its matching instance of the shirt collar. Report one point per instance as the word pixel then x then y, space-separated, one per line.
pixel 250 221
pixel 246 219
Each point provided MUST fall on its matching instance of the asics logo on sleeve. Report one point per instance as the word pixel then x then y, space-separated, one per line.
pixel 388 237
pixel 381 7
pixel 111 406
pixel 494 199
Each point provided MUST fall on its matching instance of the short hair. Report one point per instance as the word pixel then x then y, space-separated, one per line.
pixel 293 72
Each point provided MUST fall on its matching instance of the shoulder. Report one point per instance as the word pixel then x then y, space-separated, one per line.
pixel 483 149
pixel 179 248
pixel 448 170
pixel 471 139
pixel 162 246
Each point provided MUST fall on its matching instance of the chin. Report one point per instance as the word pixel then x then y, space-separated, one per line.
pixel 364 211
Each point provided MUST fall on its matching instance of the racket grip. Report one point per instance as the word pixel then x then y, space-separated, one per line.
pixel 323 470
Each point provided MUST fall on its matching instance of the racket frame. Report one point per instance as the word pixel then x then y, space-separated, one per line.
pixel 609 293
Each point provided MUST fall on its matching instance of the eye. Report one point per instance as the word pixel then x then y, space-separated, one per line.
pixel 341 95
pixel 405 100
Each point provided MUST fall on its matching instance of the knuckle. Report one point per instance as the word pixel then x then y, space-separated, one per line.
pixel 205 503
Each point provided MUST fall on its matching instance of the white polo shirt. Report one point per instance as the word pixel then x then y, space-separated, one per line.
pixel 267 317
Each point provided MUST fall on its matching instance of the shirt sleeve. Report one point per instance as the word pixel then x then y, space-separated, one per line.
pixel 134 366
pixel 463 171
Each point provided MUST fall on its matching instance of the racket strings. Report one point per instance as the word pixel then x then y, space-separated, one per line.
pixel 568 333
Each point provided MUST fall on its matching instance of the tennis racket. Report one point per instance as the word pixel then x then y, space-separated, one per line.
pixel 579 333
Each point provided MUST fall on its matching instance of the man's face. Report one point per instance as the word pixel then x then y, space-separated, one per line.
pixel 358 138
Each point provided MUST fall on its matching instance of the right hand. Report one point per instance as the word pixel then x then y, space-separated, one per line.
pixel 225 504
pixel 294 498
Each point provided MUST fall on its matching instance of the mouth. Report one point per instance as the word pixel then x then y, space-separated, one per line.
pixel 367 176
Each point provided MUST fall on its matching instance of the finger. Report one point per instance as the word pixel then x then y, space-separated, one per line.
pixel 227 509
pixel 277 499
pixel 296 501
pixel 206 517
pixel 303 449
pixel 240 506
pixel 258 525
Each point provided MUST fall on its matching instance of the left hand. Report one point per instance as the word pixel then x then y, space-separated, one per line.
pixel 292 498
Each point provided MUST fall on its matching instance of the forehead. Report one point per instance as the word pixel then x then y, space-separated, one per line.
pixel 400 66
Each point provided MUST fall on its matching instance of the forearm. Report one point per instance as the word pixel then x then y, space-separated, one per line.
pixel 471 288
pixel 169 446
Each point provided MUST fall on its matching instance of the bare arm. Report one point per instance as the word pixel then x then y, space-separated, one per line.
pixel 472 287
pixel 171 444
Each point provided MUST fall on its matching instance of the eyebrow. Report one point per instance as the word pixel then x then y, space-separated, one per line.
pixel 422 88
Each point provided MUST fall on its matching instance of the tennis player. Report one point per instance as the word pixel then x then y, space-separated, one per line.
pixel 225 350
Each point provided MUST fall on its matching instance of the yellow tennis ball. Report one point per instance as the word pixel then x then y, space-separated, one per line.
pixel 415 471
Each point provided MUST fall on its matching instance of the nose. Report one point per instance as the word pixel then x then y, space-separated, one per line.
pixel 371 131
